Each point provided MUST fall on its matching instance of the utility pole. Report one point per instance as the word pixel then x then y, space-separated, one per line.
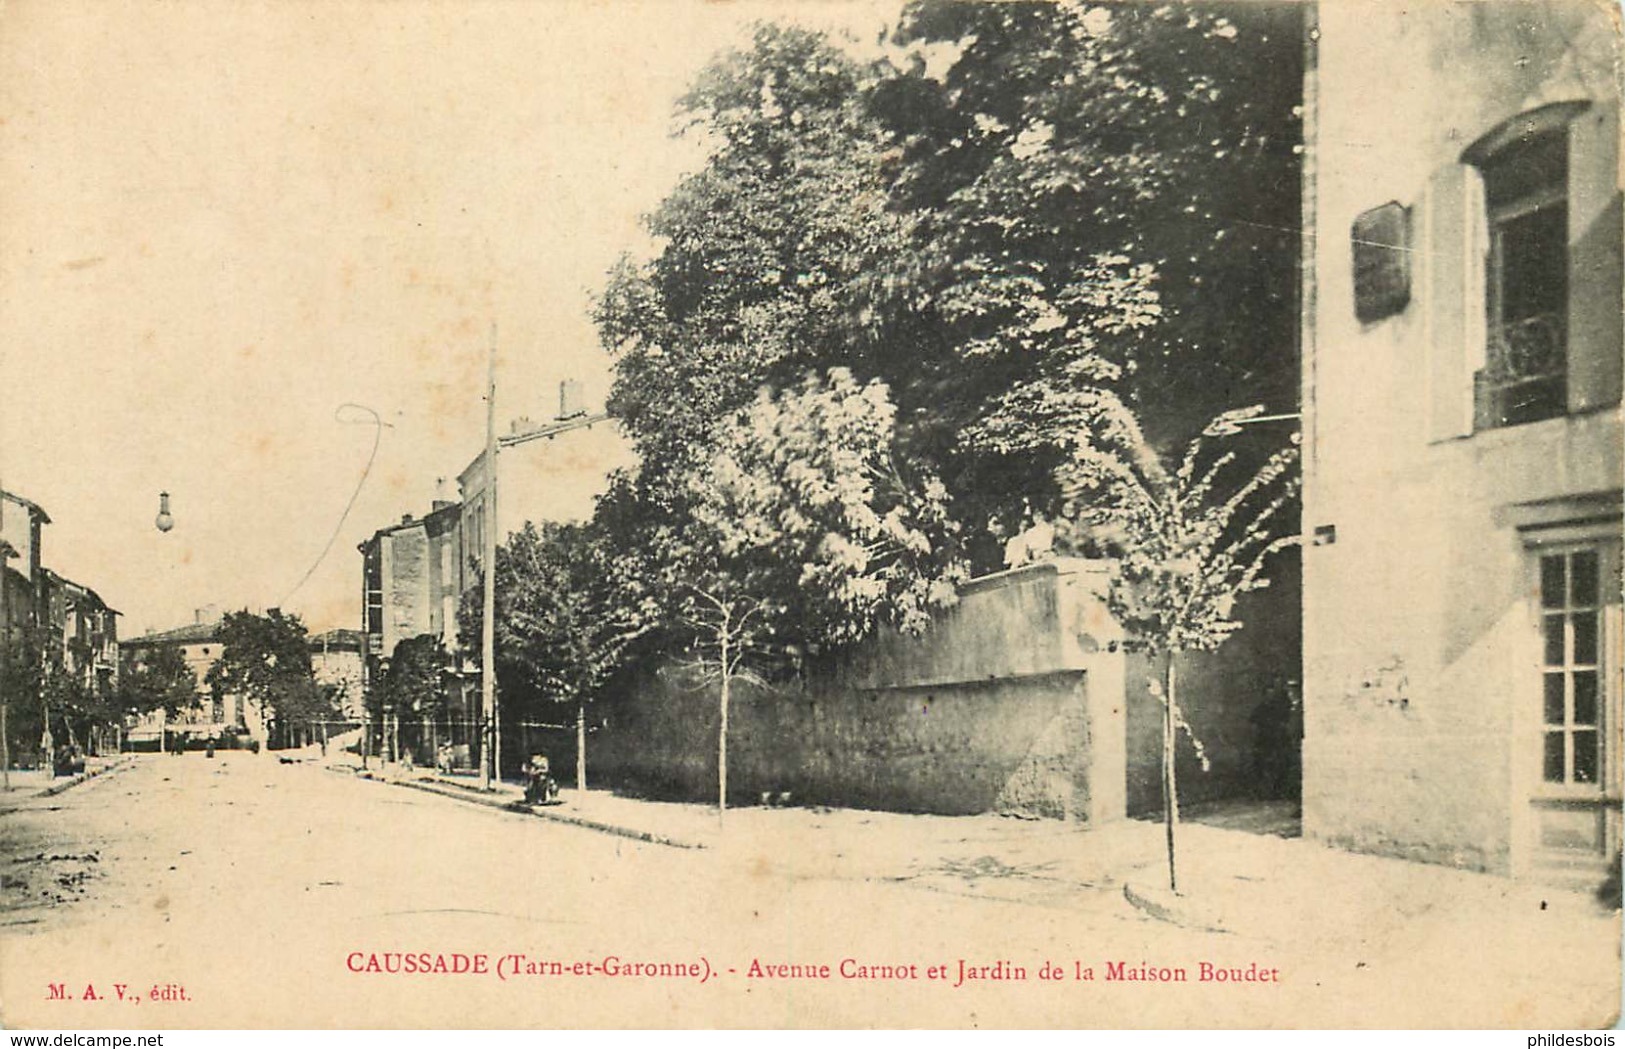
pixel 564 424
pixel 490 767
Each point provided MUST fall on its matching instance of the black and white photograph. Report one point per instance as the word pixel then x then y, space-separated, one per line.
pixel 811 515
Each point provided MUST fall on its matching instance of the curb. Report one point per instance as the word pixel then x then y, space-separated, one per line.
pixel 458 792
pixel 58 788
pixel 1167 910
pixel 610 828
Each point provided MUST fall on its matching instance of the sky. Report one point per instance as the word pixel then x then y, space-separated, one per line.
pixel 222 222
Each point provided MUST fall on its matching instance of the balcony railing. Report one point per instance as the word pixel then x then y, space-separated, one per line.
pixel 1525 374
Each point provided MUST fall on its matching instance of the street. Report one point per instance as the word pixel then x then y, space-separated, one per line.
pixel 243 891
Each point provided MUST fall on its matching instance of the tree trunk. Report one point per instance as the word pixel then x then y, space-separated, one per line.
pixel 722 732
pixel 1170 792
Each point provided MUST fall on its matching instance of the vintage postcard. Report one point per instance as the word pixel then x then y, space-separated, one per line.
pixel 779 514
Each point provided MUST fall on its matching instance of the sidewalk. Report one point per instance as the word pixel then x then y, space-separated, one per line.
pixel 41 783
pixel 1231 881
pixel 850 843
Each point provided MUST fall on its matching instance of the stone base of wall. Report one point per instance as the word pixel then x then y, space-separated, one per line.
pixel 1012 701
pixel 1462 858
pixel 1013 746
pixel 1375 786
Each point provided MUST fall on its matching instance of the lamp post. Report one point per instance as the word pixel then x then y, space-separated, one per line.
pixel 163 522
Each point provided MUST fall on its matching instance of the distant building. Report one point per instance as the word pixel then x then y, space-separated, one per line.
pixel 86 630
pixel 199 645
pixel 1462 438
pixel 336 660
pixel 21 582
pixel 411 580
pixel 198 642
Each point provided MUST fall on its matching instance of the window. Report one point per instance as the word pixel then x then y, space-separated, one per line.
pixel 1524 166
pixel 1526 283
pixel 1571 628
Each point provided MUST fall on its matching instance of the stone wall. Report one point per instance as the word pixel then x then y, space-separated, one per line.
pixel 1242 701
pixel 1012 702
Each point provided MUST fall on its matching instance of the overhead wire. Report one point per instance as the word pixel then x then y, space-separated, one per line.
pixel 378 424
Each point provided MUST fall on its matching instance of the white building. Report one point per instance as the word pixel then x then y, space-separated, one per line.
pixel 1462 439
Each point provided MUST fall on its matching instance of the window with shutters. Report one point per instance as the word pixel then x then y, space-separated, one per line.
pixel 1524 169
pixel 1526 283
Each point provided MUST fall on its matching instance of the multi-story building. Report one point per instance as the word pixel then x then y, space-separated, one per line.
pixel 86 630
pixel 412 575
pixel 411 579
pixel 1462 437
pixel 22 579
pixel 200 647
pixel 336 660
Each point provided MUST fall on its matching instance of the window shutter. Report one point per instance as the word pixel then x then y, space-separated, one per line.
pixel 1596 342
pixel 1447 243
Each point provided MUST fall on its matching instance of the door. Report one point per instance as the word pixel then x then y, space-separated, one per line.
pixel 1575 759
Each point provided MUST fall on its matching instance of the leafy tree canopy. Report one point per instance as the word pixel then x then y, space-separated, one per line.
pixel 762 246
pixel 158 680
pixel 266 659
pixel 807 501
pixel 559 628
pixel 1187 541
pixel 411 685
pixel 1038 223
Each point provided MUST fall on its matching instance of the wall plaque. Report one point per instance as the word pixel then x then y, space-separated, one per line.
pixel 1382 262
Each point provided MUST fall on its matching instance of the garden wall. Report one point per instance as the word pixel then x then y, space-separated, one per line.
pixel 1011 702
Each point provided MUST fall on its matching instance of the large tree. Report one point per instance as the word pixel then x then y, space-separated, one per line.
pixel 807 530
pixel 1033 221
pixel 159 679
pixel 761 247
pixel 265 660
pixel 1112 179
pixel 560 627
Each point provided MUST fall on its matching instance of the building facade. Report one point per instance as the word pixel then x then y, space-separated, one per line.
pixel 85 630
pixel 199 645
pixel 412 577
pixel 21 580
pixel 336 660
pixel 554 478
pixel 1462 435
